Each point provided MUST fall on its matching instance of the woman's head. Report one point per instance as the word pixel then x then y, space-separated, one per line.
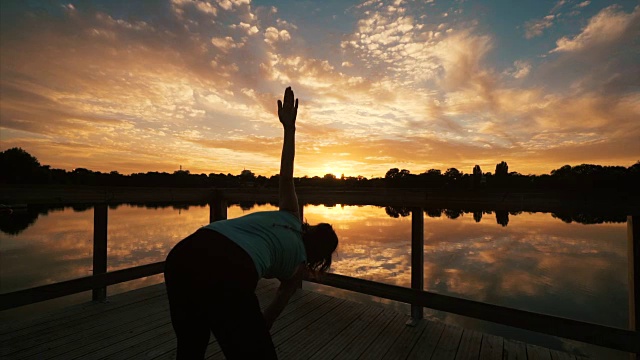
pixel 320 241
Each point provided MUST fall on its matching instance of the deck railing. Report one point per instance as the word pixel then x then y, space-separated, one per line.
pixel 601 335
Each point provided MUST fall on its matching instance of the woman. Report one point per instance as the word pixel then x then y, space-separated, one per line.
pixel 211 275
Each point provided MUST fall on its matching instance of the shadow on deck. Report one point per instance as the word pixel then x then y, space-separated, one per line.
pixel 136 325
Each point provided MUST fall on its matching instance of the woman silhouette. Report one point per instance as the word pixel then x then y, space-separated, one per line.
pixel 211 275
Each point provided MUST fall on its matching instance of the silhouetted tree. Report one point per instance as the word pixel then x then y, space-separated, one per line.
pixel 453 213
pixel 397 211
pixel 502 169
pixel 452 175
pixel 434 213
pixel 502 217
pixel 392 173
pixel 17 222
pixel 477 216
pixel 18 166
pixel 477 176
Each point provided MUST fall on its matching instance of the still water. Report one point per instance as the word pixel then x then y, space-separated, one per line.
pixel 529 261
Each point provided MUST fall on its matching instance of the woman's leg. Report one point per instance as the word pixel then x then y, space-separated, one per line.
pixel 237 323
pixel 188 317
pixel 192 331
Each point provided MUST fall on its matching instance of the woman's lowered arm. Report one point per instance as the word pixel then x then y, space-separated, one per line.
pixel 287 112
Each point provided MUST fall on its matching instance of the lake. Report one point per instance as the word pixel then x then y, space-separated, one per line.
pixel 540 262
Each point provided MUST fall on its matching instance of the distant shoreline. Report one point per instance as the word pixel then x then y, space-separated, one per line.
pixel 432 198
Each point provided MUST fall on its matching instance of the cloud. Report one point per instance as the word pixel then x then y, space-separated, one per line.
pixel 583 4
pixel 557 6
pixel 224 44
pixel 608 26
pixel 197 87
pixel 535 28
pixel 272 35
pixel 520 69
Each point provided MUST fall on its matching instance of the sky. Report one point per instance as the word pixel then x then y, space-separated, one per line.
pixel 159 85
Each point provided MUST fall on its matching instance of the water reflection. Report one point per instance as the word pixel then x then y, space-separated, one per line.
pixel 16 222
pixel 535 263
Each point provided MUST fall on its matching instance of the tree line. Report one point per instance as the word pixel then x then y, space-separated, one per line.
pixel 21 220
pixel 19 167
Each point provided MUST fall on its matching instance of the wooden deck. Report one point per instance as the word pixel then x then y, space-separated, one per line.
pixel 136 325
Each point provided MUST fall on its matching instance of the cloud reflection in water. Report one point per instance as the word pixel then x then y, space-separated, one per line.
pixel 536 263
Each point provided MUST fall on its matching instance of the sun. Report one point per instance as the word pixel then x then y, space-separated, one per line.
pixel 333 171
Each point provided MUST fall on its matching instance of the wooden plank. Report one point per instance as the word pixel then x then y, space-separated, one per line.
pixel 385 339
pixel 265 298
pixel 312 324
pixel 469 348
pixel 321 332
pixel 349 334
pixel 514 350
pixel 303 309
pixel 408 337
pixel 354 349
pixel 164 338
pixel 10 330
pixel 167 350
pixel 535 352
pixel 428 341
pixel 559 355
pixel 133 347
pixel 116 344
pixel 491 348
pixel 595 334
pixel 164 345
pixel 42 334
pixel 51 322
pixel 101 325
pixel 97 327
pixel 122 333
pixel 302 320
pixel 448 345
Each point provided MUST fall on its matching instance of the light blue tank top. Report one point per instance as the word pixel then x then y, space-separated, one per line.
pixel 273 240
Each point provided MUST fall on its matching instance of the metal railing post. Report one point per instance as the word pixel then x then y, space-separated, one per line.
pixel 100 215
pixel 417 261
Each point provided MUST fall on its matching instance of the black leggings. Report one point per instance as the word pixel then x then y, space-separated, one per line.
pixel 211 285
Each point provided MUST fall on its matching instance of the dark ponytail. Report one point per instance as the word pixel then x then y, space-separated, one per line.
pixel 320 241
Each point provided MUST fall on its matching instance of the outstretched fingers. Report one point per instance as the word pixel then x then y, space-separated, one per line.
pixel 288 97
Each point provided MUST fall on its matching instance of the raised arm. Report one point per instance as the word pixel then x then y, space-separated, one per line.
pixel 287 112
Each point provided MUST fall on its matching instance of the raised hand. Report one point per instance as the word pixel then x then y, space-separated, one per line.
pixel 287 112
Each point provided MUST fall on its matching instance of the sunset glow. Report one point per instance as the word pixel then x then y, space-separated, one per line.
pixel 152 86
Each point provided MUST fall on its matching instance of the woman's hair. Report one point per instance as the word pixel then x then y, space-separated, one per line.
pixel 320 241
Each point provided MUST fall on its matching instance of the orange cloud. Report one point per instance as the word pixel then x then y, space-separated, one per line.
pixel 398 91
